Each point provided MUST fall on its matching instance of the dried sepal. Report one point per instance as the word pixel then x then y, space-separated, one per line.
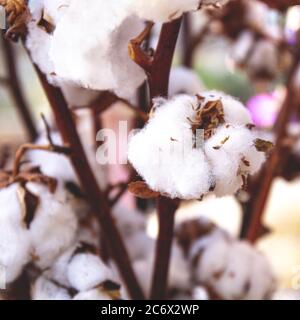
pixel 141 190
pixel 17 15
pixel 263 145
pixel 208 117
pixel 29 203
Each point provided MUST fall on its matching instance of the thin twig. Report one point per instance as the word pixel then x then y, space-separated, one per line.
pixel 94 195
pixel 14 86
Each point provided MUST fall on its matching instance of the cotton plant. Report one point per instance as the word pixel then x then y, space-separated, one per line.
pixel 228 268
pixel 44 16
pixel 78 274
pixel 36 227
pixel 195 145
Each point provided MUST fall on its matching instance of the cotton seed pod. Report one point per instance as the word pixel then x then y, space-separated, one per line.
pixel 193 145
pixel 14 235
pixel 230 269
pixel 54 226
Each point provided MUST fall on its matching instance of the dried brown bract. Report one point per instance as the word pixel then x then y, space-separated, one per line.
pixel 208 117
pixel 263 145
pixel 141 190
pixel 17 16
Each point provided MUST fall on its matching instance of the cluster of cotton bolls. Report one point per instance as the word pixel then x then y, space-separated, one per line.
pixel 38 236
pixel 78 274
pixel 227 268
pixel 193 145
pixel 255 38
pixel 84 44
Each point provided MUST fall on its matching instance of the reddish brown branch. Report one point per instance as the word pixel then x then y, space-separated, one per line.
pixel 166 209
pixel 94 195
pixel 262 185
pixel 158 70
pixel 14 86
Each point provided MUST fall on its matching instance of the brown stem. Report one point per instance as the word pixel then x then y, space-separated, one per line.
pixel 16 92
pixel 268 173
pixel 166 209
pixel 94 195
pixel 158 71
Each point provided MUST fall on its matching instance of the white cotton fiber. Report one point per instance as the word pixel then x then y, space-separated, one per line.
pixel 184 80
pixel 14 237
pixel 231 269
pixel 163 10
pixel 54 226
pixel 89 46
pixel 44 289
pixel 164 153
pixel 86 271
pixel 52 164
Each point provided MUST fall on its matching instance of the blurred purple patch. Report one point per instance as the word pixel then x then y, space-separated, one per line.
pixel 263 108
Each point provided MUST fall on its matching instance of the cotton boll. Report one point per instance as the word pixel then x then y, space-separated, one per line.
pixel 52 164
pixel 184 80
pixel 44 289
pixel 86 271
pixel 58 270
pixel 54 226
pixel 159 155
pixel 162 10
pixel 90 46
pixel 38 42
pixel 175 159
pixel 14 237
pixel 229 268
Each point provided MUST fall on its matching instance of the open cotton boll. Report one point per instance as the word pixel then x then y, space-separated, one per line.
pixel 89 46
pixel 196 144
pixel 86 271
pixel 162 10
pixel 184 80
pixel 164 148
pixel 39 40
pixel 14 237
pixel 44 289
pixel 58 271
pixel 52 164
pixel 54 226
pixel 229 268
